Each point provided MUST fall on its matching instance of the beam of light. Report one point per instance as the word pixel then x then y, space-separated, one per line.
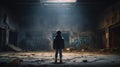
pixel 59 1
pixel 56 4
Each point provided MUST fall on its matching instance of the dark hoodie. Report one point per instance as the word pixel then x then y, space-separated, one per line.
pixel 58 42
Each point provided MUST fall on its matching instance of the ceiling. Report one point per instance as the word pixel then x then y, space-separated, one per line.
pixel 23 5
pixel 6 2
pixel 21 8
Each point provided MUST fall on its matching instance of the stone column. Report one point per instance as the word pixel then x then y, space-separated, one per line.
pixel 107 38
pixel 7 37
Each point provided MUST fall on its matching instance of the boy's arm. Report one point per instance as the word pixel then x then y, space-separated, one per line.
pixel 54 44
pixel 63 44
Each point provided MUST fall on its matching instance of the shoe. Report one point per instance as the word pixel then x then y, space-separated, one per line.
pixel 55 61
pixel 61 61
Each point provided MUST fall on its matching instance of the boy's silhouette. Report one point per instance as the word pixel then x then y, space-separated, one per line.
pixel 58 45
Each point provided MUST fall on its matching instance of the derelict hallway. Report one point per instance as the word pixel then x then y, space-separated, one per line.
pixel 91 31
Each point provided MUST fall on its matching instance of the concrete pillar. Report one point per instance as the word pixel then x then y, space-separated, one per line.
pixel 7 37
pixel 107 38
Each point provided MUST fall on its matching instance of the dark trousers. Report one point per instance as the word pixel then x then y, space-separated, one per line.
pixel 58 51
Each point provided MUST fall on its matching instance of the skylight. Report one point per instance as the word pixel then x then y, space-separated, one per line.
pixel 59 1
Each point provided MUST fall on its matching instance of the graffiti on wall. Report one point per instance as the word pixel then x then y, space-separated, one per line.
pixel 82 41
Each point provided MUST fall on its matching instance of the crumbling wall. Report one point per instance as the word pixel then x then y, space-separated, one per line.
pixel 110 18
pixel 7 26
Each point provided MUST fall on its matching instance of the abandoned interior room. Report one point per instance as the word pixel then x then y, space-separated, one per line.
pixel 90 29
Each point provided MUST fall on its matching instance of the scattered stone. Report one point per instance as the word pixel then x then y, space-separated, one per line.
pixel 74 61
pixel 95 57
pixel 14 48
pixel 28 56
pixel 20 60
pixel 42 60
pixel 15 62
pixel 23 55
pixel 33 54
pixel 82 50
pixel 85 61
pixel 82 56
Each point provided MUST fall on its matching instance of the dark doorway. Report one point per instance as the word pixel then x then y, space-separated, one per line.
pixel 101 40
pixel 2 38
pixel 13 38
pixel 115 36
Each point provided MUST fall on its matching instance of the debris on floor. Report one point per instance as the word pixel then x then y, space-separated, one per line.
pixel 47 58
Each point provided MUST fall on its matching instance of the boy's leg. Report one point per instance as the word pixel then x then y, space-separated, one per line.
pixel 56 55
pixel 60 53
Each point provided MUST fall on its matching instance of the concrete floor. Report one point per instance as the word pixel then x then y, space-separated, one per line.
pixel 46 59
